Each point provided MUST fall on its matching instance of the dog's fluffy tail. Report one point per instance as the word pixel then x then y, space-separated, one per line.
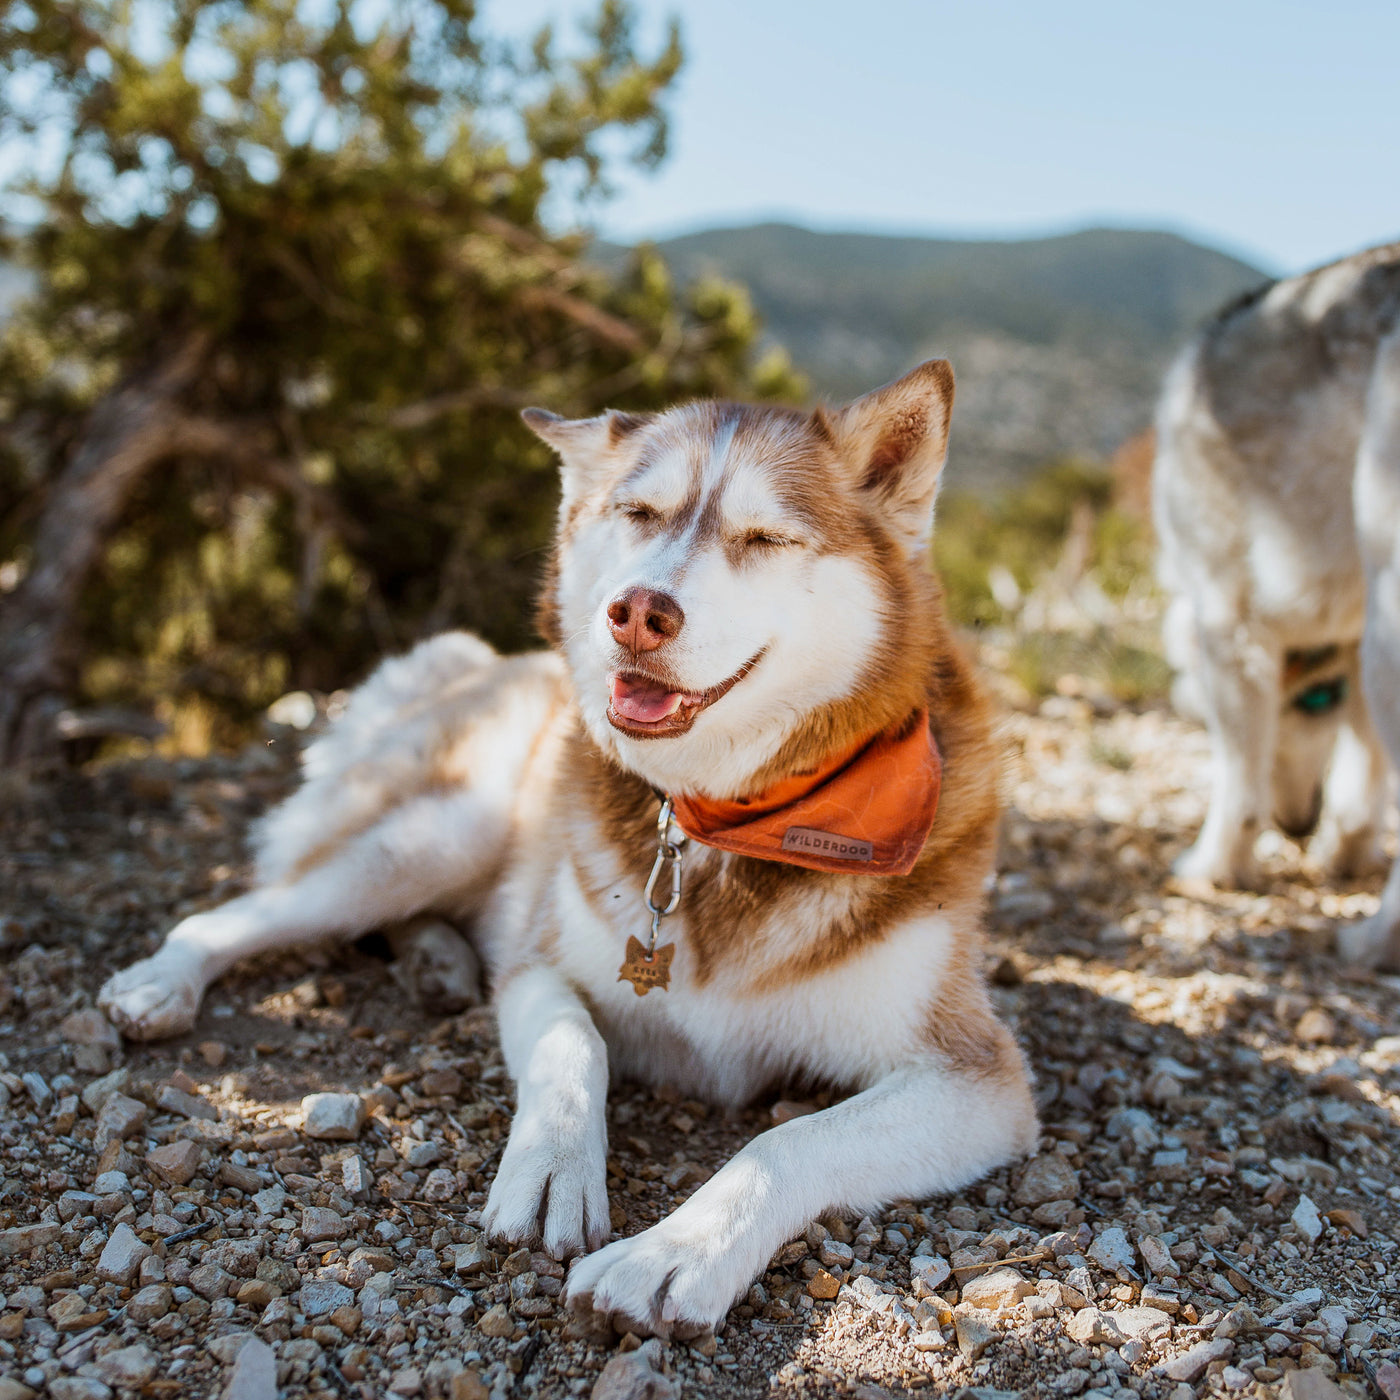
pixel 394 741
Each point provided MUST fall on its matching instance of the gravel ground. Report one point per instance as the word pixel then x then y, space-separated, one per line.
pixel 1213 1210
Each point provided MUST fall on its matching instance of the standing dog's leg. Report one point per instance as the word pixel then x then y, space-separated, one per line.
pixel 1240 691
pixel 413 856
pixel 1376 941
pixel 924 1129
pixel 552 1182
pixel 1347 843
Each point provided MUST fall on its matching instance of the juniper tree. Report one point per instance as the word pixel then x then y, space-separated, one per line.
pixel 294 276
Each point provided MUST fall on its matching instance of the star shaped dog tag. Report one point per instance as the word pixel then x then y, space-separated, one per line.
pixel 646 970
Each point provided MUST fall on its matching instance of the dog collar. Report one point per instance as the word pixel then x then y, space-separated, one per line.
pixel 866 811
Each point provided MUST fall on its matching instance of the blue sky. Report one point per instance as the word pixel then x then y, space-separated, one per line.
pixel 1269 129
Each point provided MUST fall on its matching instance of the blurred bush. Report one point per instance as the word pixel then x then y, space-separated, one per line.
pixel 1057 577
pixel 294 279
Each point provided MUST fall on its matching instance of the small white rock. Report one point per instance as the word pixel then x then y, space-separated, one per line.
pixel 254 1372
pixel 320 1296
pixel 320 1223
pixel 128 1366
pixel 929 1270
pixel 333 1117
pixel 1307 1221
pixel 1112 1251
pixel 121 1256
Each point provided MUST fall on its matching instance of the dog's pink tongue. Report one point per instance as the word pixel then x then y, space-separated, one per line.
pixel 644 701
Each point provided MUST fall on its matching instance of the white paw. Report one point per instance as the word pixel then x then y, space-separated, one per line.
pixel 155 998
pixel 660 1283
pixel 550 1190
pixel 1210 866
pixel 436 965
pixel 1347 855
pixel 1372 942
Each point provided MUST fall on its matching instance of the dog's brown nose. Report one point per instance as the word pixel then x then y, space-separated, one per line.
pixel 641 619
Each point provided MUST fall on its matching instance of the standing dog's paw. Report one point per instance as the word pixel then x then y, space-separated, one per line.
pixel 155 998
pixel 550 1191
pixel 657 1285
pixel 1370 942
pixel 1204 866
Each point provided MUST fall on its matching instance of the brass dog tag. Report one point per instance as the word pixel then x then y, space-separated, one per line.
pixel 646 970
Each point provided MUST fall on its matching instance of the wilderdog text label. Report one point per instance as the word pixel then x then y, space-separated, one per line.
pixel 806 838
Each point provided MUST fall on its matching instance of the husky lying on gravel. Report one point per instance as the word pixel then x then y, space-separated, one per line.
pixel 732 832
pixel 1277 504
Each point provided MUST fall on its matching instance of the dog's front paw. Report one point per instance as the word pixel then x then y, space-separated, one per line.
pixel 1347 855
pixel 1206 865
pixel 155 998
pixel 658 1284
pixel 1372 942
pixel 550 1191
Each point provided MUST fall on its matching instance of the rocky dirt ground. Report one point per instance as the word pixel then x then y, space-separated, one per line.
pixel 1213 1210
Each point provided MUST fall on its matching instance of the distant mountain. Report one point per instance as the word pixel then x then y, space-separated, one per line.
pixel 1058 343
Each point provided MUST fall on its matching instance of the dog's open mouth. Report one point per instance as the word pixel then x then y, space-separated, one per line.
pixel 645 707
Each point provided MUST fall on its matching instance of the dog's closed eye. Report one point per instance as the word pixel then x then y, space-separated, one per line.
pixel 766 539
pixel 639 512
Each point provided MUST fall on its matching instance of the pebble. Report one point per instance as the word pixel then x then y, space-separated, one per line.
pixel 89 1027
pixel 22 1238
pixel 118 1119
pixel 1157 1257
pixel 974 1335
pixel 320 1223
pixel 441 1185
pixel 496 1322
pixel 355 1176
pixel 1112 1251
pixel 823 1285
pixel 269 1200
pixel 100 1090
pixel 1310 1384
pixel 468 1385
pixel 128 1366
pixel 121 1256
pixel 186 1105
pixel 636 1375
pixel 149 1303
pixel 1306 1220
pixel 1388 1380
pixel 333 1117
pixel 1351 1220
pixel 927 1271
pixel 1000 1288
pixel 320 1296
pixel 177 1162
pixel 470 1258
pixel 78 1388
pixel 1046 1178
pixel 1191 1365
pixel 254 1373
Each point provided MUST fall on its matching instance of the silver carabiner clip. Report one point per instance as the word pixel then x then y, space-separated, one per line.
pixel 670 850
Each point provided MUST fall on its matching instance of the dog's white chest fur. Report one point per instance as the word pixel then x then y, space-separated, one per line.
pixel 715 1036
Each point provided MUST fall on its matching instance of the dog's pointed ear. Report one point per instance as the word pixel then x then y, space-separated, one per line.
pixel 586 446
pixel 895 440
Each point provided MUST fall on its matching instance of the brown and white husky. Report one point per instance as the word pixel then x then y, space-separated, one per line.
pixel 745 623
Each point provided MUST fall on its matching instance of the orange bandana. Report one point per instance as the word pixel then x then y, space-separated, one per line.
pixel 866 812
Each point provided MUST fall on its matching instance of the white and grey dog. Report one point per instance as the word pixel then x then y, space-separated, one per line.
pixel 1276 497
